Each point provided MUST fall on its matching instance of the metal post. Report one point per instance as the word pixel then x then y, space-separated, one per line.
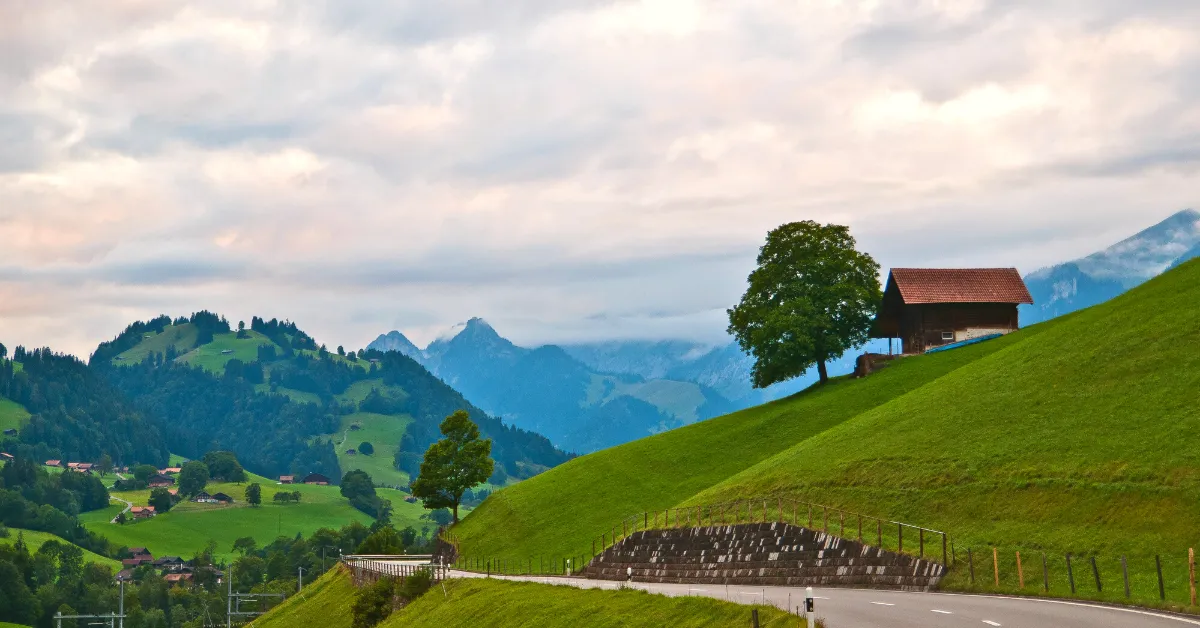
pixel 1125 573
pixel 1070 575
pixel 1045 573
pixel 121 608
pixel 300 583
pixel 1162 592
pixel 810 610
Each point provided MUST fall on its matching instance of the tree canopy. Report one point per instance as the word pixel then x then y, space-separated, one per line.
pixel 193 477
pixel 454 464
pixel 811 298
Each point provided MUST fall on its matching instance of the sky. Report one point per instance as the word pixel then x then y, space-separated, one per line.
pixel 571 170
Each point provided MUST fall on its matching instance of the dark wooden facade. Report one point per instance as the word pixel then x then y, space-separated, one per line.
pixel 940 311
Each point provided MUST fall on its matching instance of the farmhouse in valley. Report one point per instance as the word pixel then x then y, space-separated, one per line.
pixel 928 308
pixel 287 479
pixel 316 479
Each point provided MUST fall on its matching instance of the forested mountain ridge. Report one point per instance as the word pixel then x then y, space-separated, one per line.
pixel 73 413
pixel 281 403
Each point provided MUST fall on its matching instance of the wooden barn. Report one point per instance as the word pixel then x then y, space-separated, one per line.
pixel 928 308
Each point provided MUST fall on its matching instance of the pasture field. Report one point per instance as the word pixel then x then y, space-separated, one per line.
pixel 34 540
pixel 1071 436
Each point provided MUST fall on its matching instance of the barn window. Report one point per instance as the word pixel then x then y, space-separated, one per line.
pixel 947 336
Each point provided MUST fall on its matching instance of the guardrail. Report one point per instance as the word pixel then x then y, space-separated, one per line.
pixel 778 509
pixel 400 567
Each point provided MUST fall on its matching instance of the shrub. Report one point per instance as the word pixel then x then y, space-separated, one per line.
pixel 373 604
pixel 415 586
pixel 366 448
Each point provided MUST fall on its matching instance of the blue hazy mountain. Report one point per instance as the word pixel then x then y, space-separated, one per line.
pixel 546 389
pixel 1105 274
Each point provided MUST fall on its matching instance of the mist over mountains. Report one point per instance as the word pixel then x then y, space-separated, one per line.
pixel 1091 280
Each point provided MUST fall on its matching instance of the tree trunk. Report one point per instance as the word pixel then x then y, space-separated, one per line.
pixel 822 371
pixel 455 512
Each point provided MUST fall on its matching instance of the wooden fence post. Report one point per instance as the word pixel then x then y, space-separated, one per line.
pixel 860 528
pixel 879 531
pixel 842 523
pixel 780 510
pixel 944 557
pixel 1096 572
pixel 699 517
pixel 899 538
pixel 921 537
pixel 1020 572
pixel 996 565
pixel 825 518
pixel 810 515
pixel 794 509
pixel 1192 572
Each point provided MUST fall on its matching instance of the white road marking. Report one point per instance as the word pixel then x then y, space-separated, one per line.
pixel 990 623
pixel 817 597
pixel 934 610
pixel 883 604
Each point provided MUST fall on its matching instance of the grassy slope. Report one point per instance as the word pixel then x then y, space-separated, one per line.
pixel 35 539
pixel 1082 440
pixel 211 359
pixel 12 414
pixel 325 603
pixel 182 337
pixel 485 603
pixel 383 431
pixel 562 510
pixel 188 527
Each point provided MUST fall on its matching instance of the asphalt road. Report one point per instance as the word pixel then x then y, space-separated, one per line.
pixel 860 608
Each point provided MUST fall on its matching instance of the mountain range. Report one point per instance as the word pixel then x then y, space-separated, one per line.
pixel 1091 280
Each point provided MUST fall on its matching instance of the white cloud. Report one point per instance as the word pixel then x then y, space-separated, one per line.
pixel 564 170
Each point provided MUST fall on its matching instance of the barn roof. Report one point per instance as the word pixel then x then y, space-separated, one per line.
pixel 959 285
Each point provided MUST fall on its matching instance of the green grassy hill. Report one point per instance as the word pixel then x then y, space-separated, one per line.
pixel 496 603
pixel 187 527
pixel 1077 435
pixel 34 540
pixel 12 414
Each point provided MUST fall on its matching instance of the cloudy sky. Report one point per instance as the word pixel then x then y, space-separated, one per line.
pixel 567 169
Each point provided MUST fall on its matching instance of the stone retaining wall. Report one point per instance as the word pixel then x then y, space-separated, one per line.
pixel 773 554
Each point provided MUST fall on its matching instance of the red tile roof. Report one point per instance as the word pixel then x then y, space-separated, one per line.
pixel 960 285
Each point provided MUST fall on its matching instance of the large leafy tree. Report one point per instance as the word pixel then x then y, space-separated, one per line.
pixel 454 464
pixel 811 299
pixel 193 477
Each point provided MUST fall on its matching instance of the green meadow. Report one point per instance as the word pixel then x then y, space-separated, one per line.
pixel 35 539
pixel 188 526
pixel 1074 436
pixel 472 603
pixel 12 414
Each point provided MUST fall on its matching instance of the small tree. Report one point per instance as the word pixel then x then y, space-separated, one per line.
pixel 245 545
pixel 193 478
pixel 454 464
pixel 143 472
pixel 161 499
pixel 254 494
pixel 366 448
pixel 105 466
pixel 811 299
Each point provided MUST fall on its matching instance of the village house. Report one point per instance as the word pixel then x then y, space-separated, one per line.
pixel 136 561
pixel 54 463
pixel 125 575
pixel 10 432
pixel 139 551
pixel 927 308
pixel 142 512
pixel 160 481
pixel 316 479
pixel 203 498
pixel 222 498
pixel 171 471
pixel 287 479
pixel 174 579
pixel 351 452
pixel 6 456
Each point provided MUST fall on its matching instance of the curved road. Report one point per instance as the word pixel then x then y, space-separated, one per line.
pixel 128 507
pixel 860 608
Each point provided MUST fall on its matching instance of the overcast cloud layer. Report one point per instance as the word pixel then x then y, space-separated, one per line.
pixel 567 170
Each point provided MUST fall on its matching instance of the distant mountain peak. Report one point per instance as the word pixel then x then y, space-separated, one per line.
pixel 1147 253
pixel 396 341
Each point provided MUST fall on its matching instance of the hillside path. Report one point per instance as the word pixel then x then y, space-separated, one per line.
pixel 861 608
pixel 128 507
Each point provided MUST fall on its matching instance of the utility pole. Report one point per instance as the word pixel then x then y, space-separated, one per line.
pixel 121 608
pixel 300 586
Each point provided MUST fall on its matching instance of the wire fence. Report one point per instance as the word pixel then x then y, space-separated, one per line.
pixel 1162 580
